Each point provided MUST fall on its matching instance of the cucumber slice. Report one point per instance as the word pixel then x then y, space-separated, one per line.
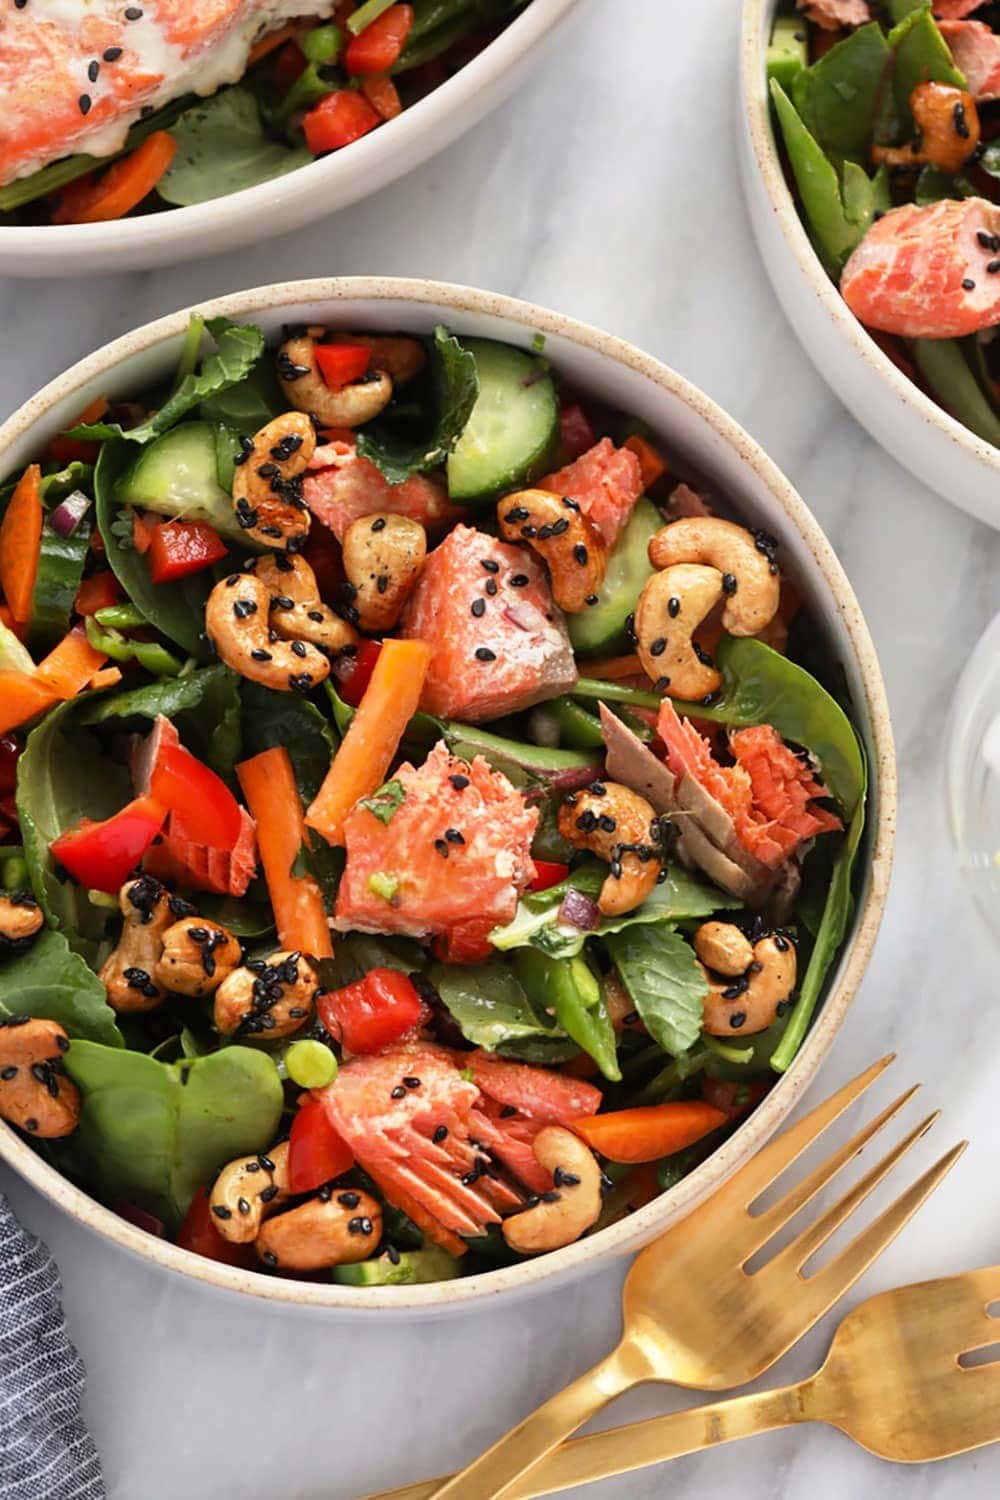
pixel 177 475
pixel 788 52
pixel 601 628
pixel 511 434
pixel 414 1267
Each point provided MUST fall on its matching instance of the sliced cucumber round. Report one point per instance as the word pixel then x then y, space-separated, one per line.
pixel 601 628
pixel 411 1268
pixel 177 475
pixel 510 437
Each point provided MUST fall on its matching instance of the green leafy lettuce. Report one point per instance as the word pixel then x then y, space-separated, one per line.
pixel 222 148
pixel 50 981
pixel 493 1011
pixel 665 983
pixel 455 386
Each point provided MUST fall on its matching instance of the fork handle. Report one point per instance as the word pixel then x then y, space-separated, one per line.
pixel 492 1474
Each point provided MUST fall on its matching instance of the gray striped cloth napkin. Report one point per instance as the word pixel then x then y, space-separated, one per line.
pixel 46 1452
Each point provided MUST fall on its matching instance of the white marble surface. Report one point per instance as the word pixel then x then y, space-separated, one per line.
pixel 607 190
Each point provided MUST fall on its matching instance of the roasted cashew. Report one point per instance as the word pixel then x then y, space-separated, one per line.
pixel 744 558
pixel 947 130
pixel 297 613
pixel 21 919
pixel 333 1229
pixel 286 574
pixel 246 1191
pixel 350 406
pixel 271 998
pixel 237 623
pixel 672 605
pixel 751 1002
pixel 621 828
pixel 723 947
pixel 556 528
pixel 574 1204
pixel 383 555
pixel 398 355
pixel 197 956
pixel 128 973
pixel 267 484
pixel 35 1094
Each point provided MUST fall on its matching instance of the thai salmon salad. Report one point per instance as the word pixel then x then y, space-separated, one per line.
pixel 112 109
pixel 430 815
pixel 890 123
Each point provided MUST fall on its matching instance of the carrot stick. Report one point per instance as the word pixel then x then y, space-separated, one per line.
pixel 372 739
pixel 268 783
pixel 106 678
pixel 22 696
pixel 21 544
pixel 67 670
pixel 651 461
pixel 271 41
pixel 121 188
pixel 636 1135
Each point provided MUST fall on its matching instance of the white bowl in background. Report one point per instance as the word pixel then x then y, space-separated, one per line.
pixel 325 185
pixel 612 371
pixel 921 435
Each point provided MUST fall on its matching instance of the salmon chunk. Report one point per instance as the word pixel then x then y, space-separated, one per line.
pixel 605 482
pixel 832 14
pixel 976 50
pixel 340 486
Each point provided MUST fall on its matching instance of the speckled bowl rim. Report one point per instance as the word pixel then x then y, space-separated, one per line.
pixel 753 53
pixel 640 1227
pixel 330 180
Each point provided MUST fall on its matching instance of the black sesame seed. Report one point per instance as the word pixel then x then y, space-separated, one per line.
pixel 459 782
pixel 453 836
pixel 968 285
pixel 133 13
pixel 379 524
pixel 580 553
pixel 9 1072
pixel 491 586
pixel 259 654
pixel 478 608
pixel 398 1092
pixel 483 653
pixel 565 1179
pixel 84 103
pixel 111 54
pixel 661 684
pixel 243 608
pixel 300 648
pixel 93 70
pixel 411 1082
pixel 658 647
pixel 221 1211
pixel 508 1112
pixel 349 1200
pixel 489 564
pixel 440 1134
pixel 441 847
pixel 738 1019
pixel 243 1204
pixel 518 580
pixel 673 607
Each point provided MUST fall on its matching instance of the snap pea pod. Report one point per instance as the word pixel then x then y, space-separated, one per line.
pixel 366 14
pixel 14 872
pixel 614 692
pixel 568 988
pixel 120 617
pixel 150 655
pixel 943 365
pixel 425 49
pixel 322 49
pixel 837 98
pixel 578 728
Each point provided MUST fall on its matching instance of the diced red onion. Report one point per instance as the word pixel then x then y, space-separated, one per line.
pixel 140 1218
pixel 69 513
pixel 578 910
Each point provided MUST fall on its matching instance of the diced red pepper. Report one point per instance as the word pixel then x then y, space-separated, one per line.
pixel 734 1099
pixel 199 1233
pixel 64 449
pixel 548 873
pixel 352 687
pixel 340 364
pixel 316 1153
pixel 102 855
pixel 576 436
pixel 202 806
pixel 337 120
pixel 371 1014
pixel 466 943
pixel 380 44
pixel 322 553
pixel 99 591
pixel 10 749
pixel 179 548
pixel 383 95
pixel 289 66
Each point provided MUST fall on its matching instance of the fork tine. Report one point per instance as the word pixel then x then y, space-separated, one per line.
pixel 815 1235
pixel 748 1183
pixel 773 1218
pixel 839 1274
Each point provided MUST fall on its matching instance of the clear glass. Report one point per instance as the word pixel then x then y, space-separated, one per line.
pixel 973 773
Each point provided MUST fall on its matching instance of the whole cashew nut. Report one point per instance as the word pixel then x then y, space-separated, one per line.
pixel 303 384
pixel 333 1229
pixel 398 355
pixel 744 558
pixel 21 919
pixel 267 483
pixel 246 1191
pixel 723 947
pixel 35 1094
pixel 237 620
pixel 197 955
pixel 672 605
pixel 383 556
pixel 128 974
pixel 297 613
pixel 271 999
pixel 574 1204
pixel 287 575
pixel 753 1001
pixel 556 528
pixel 621 828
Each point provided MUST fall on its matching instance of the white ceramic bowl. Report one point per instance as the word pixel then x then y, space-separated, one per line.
pixel 312 192
pixel 915 430
pixel 613 371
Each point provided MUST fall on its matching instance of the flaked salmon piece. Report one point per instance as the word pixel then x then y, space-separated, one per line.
pixel 976 51
pixel 684 501
pixel 921 271
pixel 832 14
pixel 605 482
pixel 75 77
pixel 956 10
pixel 340 487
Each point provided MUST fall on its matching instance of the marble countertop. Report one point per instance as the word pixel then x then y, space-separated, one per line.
pixel 608 189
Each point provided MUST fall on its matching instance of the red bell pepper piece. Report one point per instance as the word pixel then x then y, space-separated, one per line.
pixel 340 364
pixel 378 47
pixel 548 873
pixel 179 548
pixel 372 1013
pixel 199 1233
pixel 352 687
pixel 337 120
pixel 289 66
pixel 576 436
pixel 99 591
pixel 468 943
pixel 202 806
pixel 734 1099
pixel 316 1153
pixel 323 554
pixel 102 855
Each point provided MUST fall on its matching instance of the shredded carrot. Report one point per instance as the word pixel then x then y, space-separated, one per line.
pixel 390 700
pixel 614 668
pixel 651 460
pixel 268 783
pixel 22 696
pixel 143 531
pixel 121 188
pixel 21 544
pixel 383 95
pixel 67 669
pixel 638 1135
pixel 108 677
pixel 271 42
pixel 66 450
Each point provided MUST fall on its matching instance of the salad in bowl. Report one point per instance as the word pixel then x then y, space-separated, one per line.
pixel 434 815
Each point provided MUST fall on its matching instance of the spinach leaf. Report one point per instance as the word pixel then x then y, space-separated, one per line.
pixel 921 55
pixel 763 687
pixel 358 953
pixel 222 148
pixel 536 922
pixel 943 365
pixel 455 388
pixel 238 347
pixel 665 983
pixel 48 980
pixel 838 96
pixel 204 705
pixel 175 609
pixel 152 1132
pixel 248 405
pixel 62 777
pixel 493 1011
pixel 284 719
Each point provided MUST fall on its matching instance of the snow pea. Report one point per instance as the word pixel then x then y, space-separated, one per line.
pixel 120 617
pixel 150 655
pixel 921 55
pixel 578 728
pixel 837 98
pixel 568 988
pixel 943 365
pixel 322 49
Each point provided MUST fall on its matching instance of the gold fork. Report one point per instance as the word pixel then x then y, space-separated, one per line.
pixel 694 1316
pixel 892 1381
